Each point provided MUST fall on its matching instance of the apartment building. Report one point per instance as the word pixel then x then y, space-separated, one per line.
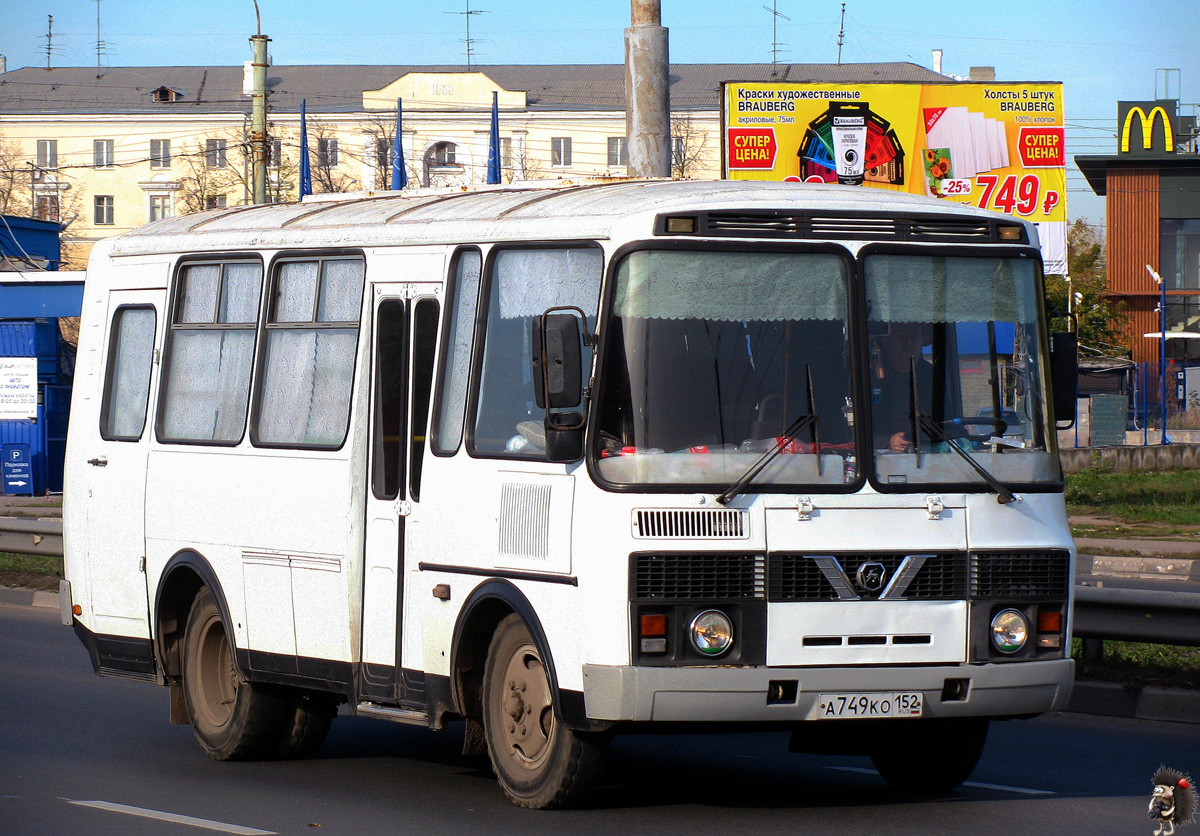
pixel 106 151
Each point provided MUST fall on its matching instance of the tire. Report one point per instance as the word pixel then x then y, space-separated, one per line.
pixel 306 721
pixel 540 763
pixel 232 719
pixel 926 756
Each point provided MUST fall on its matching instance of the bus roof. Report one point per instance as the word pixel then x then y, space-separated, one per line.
pixel 517 212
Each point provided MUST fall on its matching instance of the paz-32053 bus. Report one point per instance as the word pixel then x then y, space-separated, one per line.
pixel 571 461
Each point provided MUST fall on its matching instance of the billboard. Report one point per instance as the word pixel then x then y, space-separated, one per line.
pixel 995 145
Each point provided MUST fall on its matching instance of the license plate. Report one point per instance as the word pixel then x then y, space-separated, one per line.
pixel 858 706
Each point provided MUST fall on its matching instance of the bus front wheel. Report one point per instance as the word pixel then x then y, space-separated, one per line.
pixel 232 719
pixel 932 755
pixel 539 762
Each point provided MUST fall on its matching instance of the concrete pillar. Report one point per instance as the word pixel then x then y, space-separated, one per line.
pixel 647 92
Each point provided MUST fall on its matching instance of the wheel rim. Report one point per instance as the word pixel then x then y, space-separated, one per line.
pixel 215 674
pixel 526 710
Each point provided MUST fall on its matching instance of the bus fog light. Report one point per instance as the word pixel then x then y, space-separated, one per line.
pixel 711 632
pixel 1010 630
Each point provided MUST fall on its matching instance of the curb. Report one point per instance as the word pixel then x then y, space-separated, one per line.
pixel 29 598
pixel 1107 699
pixel 1110 699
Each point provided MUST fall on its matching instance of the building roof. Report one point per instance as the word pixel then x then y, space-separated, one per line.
pixel 339 89
pixel 1095 168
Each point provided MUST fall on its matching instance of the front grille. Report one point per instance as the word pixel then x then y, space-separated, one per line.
pixel 698 576
pixel 1020 574
pixel 797 577
pixel 849 226
pixel 699 524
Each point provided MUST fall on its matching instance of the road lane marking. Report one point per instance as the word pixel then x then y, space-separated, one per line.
pixel 977 784
pixel 175 818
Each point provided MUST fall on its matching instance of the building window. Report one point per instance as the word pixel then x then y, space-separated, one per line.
pixel 327 153
pixel 275 153
pixel 161 206
pixel 383 153
pixel 677 155
pixel 214 153
pixel 618 152
pixel 102 153
pixel 45 207
pixel 47 153
pixel 104 210
pixel 211 351
pixel 214 201
pixel 506 153
pixel 443 154
pixel 160 153
pixel 1179 254
pixel 560 150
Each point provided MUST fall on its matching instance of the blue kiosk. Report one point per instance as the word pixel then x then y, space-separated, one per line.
pixel 37 361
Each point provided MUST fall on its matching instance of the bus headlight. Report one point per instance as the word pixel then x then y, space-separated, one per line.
pixel 711 632
pixel 1010 630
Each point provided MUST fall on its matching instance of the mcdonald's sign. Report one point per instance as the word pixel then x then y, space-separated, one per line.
pixel 1147 127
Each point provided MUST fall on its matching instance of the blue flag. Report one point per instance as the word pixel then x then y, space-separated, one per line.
pixel 399 175
pixel 305 172
pixel 493 169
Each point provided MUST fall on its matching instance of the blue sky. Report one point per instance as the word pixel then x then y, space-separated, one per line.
pixel 1102 51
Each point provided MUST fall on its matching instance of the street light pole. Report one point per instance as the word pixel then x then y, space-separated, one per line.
pixel 1162 349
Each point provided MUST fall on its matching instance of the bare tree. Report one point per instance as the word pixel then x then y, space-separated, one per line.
pixel 325 153
pixel 14 179
pixel 689 146
pixel 207 176
pixel 524 165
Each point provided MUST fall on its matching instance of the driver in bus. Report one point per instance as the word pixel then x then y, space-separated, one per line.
pixel 892 357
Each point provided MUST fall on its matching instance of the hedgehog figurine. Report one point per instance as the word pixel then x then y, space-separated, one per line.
pixel 1173 801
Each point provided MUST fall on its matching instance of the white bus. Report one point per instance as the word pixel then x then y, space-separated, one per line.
pixel 572 461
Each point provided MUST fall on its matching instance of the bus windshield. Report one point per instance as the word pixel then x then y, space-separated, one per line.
pixel 713 355
pixel 956 359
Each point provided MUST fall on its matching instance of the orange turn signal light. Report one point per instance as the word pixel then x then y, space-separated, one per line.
pixel 654 625
pixel 1049 621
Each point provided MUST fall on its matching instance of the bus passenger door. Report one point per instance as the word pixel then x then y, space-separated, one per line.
pixel 404 336
pixel 116 464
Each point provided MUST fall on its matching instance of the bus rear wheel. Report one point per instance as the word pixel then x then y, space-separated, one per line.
pixel 232 719
pixel 932 755
pixel 539 763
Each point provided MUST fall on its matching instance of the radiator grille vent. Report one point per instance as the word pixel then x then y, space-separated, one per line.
pixel 790 225
pixel 797 577
pixel 697 576
pixel 700 524
pixel 1020 574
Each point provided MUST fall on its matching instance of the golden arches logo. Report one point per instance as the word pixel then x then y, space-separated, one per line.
pixel 1147 123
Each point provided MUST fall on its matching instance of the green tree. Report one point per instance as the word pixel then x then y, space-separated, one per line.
pixel 1099 319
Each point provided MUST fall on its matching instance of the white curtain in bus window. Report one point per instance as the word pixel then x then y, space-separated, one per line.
pixel 910 288
pixel 311 341
pixel 211 353
pixel 456 362
pixel 524 284
pixel 123 413
pixel 730 287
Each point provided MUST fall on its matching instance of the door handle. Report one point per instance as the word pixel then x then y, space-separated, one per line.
pixel 99 461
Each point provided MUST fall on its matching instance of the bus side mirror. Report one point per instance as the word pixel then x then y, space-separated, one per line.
pixel 1064 377
pixel 557 361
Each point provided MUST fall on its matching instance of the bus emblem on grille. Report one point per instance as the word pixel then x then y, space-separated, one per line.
pixel 870 577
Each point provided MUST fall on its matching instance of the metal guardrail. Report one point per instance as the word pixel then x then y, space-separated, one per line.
pixel 1142 615
pixel 1137 615
pixel 31 536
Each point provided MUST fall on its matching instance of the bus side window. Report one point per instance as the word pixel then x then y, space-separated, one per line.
pixel 425 328
pixel 127 379
pixel 450 403
pixel 308 356
pixel 388 462
pixel 210 351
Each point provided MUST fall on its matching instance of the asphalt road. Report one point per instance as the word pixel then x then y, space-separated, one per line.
pixel 88 756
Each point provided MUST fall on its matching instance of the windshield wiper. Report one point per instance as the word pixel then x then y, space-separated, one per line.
pixel 809 419
pixel 921 421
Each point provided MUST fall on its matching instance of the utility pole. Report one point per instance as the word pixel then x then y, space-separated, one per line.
pixel 258 123
pixel 841 33
pixel 647 92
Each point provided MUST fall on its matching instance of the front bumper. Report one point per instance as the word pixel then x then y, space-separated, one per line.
pixel 643 694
